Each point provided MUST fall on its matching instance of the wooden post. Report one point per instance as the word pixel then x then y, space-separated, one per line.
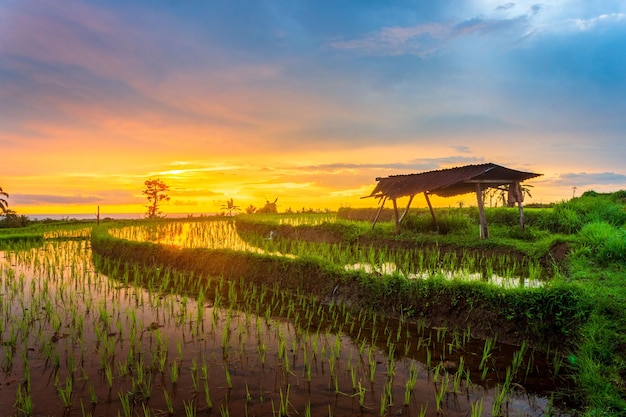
pixel 98 221
pixel 484 231
pixel 379 211
pixel 521 215
pixel 407 207
pixel 395 210
pixel 432 212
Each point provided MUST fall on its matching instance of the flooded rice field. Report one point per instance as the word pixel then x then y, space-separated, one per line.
pixel 414 263
pixel 83 336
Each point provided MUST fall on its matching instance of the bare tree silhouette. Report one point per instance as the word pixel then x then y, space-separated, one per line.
pixel 156 192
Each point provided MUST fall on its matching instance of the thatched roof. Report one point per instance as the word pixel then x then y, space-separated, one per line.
pixel 448 182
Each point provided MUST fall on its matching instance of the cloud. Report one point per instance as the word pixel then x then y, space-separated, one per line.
pixel 427 39
pixel 477 122
pixel 505 6
pixel 591 23
pixel 585 178
pixel 413 165
pixel 44 199
pixel 462 148
pixel 421 40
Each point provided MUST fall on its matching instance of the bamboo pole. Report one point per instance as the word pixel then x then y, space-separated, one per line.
pixel 395 211
pixel 432 212
pixel 407 208
pixel 379 211
pixel 484 231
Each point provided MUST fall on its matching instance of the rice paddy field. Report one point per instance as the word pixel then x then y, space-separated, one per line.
pixel 86 335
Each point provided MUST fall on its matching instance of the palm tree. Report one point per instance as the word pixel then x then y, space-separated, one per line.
pixel 4 205
pixel 230 206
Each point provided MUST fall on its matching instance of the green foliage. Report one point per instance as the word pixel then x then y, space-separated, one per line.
pixel 562 219
pixel 12 220
pixel 344 231
pixel 598 365
pixel 456 221
pixel 418 223
pixel 602 243
pixel 502 215
pixel 593 206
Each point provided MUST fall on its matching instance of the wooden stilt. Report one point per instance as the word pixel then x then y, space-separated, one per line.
pixel 395 211
pixel 432 212
pixel 382 204
pixel 484 231
pixel 522 222
pixel 406 210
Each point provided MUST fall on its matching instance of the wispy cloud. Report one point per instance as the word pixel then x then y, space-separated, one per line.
pixel 413 165
pixel 421 40
pixel 591 23
pixel 427 39
pixel 591 178
pixel 43 199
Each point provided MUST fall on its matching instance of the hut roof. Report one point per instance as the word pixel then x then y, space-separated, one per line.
pixel 448 182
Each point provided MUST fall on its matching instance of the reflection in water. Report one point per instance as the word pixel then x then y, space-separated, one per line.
pixel 390 268
pixel 411 263
pixel 75 341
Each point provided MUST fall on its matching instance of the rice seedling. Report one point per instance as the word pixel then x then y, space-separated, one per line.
pixel 190 408
pixel 125 400
pixel 477 408
pixel 168 402
pixel 65 392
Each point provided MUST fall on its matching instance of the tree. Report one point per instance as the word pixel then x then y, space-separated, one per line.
pixel 4 205
pixel 230 206
pixel 269 207
pixel 250 209
pixel 156 192
pixel 12 219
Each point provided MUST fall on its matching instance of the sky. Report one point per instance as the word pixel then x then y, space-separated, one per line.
pixel 304 101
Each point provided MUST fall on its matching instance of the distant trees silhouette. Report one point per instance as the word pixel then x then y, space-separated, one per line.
pixel 269 207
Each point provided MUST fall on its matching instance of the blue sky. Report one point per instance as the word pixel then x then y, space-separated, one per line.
pixel 307 101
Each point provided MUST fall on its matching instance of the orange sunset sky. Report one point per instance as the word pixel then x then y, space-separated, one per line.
pixel 307 102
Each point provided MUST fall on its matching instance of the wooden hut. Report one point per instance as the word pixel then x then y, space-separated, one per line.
pixel 451 182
